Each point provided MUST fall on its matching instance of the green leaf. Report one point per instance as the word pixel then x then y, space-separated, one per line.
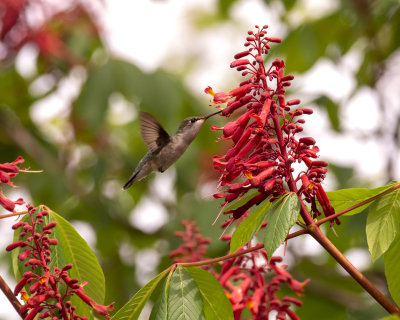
pixel 133 308
pixel 160 308
pixel 184 299
pixel 283 216
pixel 240 202
pixel 392 266
pixel 250 226
pixel 383 223
pixel 345 198
pixel 391 317
pixel 72 248
pixel 216 303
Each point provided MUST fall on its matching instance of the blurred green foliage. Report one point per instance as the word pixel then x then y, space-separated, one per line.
pixel 87 155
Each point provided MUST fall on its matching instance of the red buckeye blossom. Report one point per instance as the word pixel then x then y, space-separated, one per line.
pixel 49 288
pixel 264 137
pixel 194 246
pixel 250 282
pixel 244 282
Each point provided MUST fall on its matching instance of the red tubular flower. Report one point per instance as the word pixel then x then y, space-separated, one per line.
pixel 243 278
pixel 100 309
pixel 7 203
pixel 266 132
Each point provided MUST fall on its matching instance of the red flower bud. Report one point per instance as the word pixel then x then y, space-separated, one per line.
pixel 241 54
pixel 293 102
pixel 262 176
pixel 274 39
pixel 289 77
pixel 17 225
pixel 16 244
pixel 309 141
pixel 319 163
pixel 20 285
pixel 22 256
pixel 50 225
pixel 306 110
pixel 307 161
pixel 53 242
pixel 238 63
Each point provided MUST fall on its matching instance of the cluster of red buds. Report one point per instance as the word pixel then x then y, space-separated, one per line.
pixel 265 145
pixel 49 289
pixel 194 245
pixel 244 278
pixel 7 171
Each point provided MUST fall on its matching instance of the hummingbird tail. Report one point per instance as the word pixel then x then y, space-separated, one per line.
pixel 130 181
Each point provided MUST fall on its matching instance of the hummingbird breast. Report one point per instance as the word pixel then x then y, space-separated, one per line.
pixel 169 154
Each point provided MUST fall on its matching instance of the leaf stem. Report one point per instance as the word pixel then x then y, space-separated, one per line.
pixel 13 214
pixel 10 295
pixel 396 186
pixel 227 257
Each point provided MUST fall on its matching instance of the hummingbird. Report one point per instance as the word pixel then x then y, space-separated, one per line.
pixel 164 150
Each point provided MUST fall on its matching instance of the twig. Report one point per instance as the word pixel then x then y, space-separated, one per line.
pixel 13 214
pixel 318 235
pixel 227 257
pixel 10 295
pixel 396 186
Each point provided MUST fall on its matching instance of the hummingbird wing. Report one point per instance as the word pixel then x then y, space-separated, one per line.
pixel 152 132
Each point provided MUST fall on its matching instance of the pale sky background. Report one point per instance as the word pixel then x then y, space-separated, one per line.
pixel 152 34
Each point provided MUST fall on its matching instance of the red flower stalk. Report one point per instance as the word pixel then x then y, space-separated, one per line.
pixel 244 278
pixel 244 281
pixel 7 171
pixel 49 288
pixel 194 245
pixel 264 139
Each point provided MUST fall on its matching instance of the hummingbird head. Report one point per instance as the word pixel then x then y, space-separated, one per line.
pixel 191 126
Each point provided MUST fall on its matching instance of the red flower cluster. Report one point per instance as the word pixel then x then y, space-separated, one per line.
pixel 7 171
pixel 264 135
pixel 245 285
pixel 243 277
pixel 49 290
pixel 16 30
pixel 194 245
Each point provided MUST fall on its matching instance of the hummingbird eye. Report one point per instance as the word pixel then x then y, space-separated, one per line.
pixel 193 120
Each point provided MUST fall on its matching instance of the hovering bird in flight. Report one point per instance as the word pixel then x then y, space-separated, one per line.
pixel 164 150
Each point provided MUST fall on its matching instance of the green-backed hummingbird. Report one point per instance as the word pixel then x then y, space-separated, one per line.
pixel 164 150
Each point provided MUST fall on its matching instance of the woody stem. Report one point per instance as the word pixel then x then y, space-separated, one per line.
pixel 318 235
pixel 10 295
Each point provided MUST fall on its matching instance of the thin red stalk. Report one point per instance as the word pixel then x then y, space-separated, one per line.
pixel 396 186
pixel 292 185
pixel 13 214
pixel 10 295
pixel 227 257
pixel 296 234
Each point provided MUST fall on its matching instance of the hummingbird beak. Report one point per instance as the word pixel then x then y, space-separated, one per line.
pixel 212 114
